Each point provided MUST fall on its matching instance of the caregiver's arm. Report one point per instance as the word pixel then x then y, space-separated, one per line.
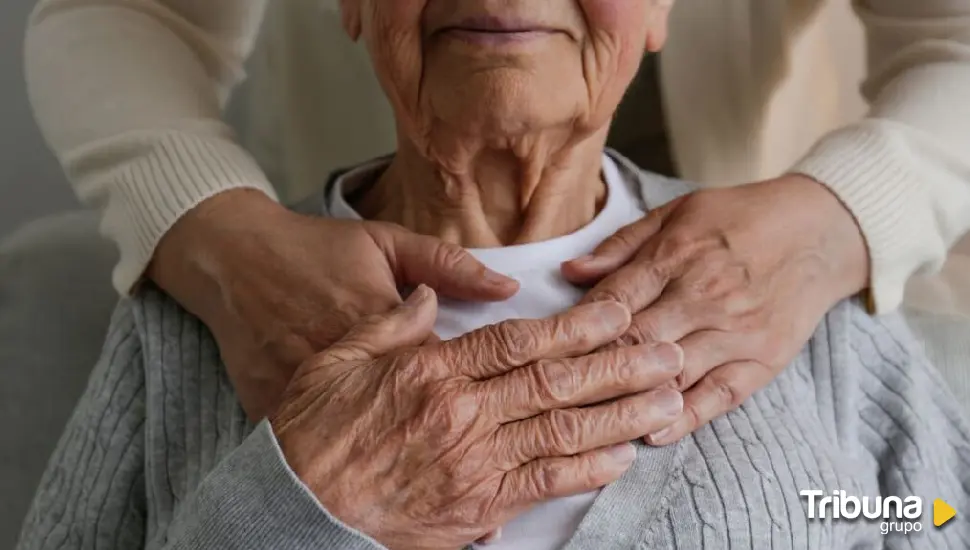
pixel 742 276
pixel 904 171
pixel 129 94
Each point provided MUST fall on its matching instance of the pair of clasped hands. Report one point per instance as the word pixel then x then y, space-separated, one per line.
pixel 689 311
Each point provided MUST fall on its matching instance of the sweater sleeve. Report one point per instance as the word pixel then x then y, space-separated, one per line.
pixel 904 171
pixel 129 95
pixel 253 500
pixel 96 490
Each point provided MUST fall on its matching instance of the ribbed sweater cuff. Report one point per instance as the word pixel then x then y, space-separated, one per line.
pixel 152 193
pixel 863 168
pixel 253 500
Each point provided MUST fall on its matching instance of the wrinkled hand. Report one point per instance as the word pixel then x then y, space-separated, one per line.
pixel 740 277
pixel 275 287
pixel 432 447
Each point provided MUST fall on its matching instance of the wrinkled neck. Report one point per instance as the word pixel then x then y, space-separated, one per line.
pixel 482 196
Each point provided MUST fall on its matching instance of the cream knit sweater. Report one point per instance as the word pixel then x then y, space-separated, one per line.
pixel 130 93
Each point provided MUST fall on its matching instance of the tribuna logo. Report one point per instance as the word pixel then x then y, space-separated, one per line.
pixel 894 513
pixel 850 507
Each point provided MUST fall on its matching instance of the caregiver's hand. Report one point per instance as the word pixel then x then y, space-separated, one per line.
pixel 740 277
pixel 432 447
pixel 275 287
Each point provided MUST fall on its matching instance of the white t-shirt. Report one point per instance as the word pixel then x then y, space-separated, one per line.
pixel 543 292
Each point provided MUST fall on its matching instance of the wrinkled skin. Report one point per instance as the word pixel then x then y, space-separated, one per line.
pixel 275 287
pixel 740 277
pixel 433 447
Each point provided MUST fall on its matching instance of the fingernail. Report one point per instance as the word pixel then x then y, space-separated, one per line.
pixel 670 357
pixel 659 438
pixel 491 538
pixel 624 454
pixel 613 315
pixel 669 402
pixel 417 296
pixel 495 279
pixel 587 259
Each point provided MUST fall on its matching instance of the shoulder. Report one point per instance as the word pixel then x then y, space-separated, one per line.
pixel 875 366
pixel 654 189
pixel 173 341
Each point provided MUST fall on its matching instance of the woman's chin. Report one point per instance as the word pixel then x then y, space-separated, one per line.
pixel 499 122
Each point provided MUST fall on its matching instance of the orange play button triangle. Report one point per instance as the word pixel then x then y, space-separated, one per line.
pixel 942 512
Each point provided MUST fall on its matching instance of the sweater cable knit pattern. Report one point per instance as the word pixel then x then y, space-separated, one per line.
pixel 159 454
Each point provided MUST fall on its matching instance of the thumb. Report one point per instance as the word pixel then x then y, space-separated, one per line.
pixel 408 325
pixel 616 251
pixel 447 268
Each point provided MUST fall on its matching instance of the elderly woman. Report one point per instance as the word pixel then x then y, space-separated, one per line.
pixel 129 94
pixel 392 438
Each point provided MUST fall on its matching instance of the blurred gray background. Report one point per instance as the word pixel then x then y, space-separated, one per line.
pixel 32 186
pixel 31 182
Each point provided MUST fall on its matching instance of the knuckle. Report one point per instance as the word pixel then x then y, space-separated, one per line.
pixel 449 255
pixel 626 370
pixel 611 293
pixel 474 509
pixel 413 367
pixel 743 274
pixel 629 413
pixel 566 328
pixel 643 331
pixel 446 411
pixel 564 431
pixel 745 307
pixel 553 382
pixel 725 393
pixel 656 275
pixel 729 280
pixel 677 246
pixel 547 479
pixel 628 237
pixel 514 339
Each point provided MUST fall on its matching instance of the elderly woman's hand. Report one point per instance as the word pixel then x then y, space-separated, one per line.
pixel 740 277
pixel 275 287
pixel 432 447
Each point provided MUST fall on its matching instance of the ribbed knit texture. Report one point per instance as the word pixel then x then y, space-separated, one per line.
pixel 159 455
pixel 140 211
pixel 873 176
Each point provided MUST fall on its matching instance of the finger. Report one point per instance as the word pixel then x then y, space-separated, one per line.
pixel 557 384
pixel 549 478
pixel 721 391
pixel 678 313
pixel 706 350
pixel 567 432
pixel 497 349
pixel 635 285
pixel 446 267
pixel 660 322
pixel 614 252
pixel 409 324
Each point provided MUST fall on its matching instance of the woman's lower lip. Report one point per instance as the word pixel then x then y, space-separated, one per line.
pixel 495 37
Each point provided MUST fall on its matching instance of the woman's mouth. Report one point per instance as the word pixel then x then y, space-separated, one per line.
pixel 496 30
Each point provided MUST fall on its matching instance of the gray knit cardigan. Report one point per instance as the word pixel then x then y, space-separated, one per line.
pixel 158 453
